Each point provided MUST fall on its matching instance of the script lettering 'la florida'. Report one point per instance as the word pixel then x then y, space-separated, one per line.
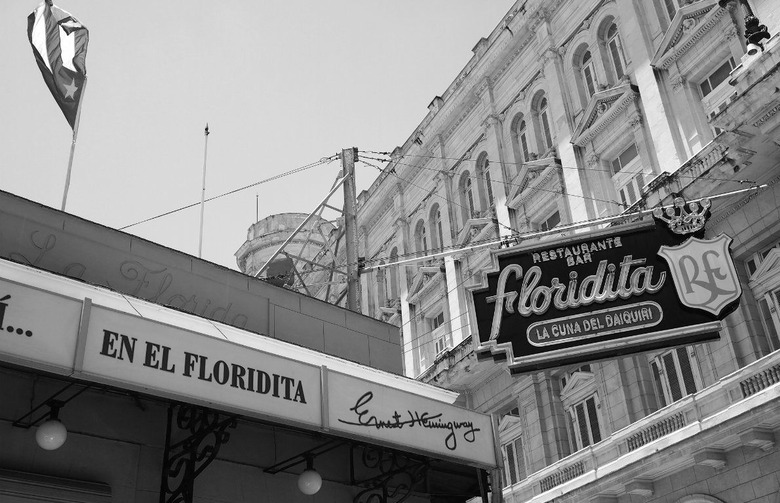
pixel 415 418
pixel 602 286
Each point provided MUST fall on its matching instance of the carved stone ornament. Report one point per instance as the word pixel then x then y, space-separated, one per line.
pixel 678 83
pixel 635 121
pixel 586 24
pixel 550 54
pixel 688 24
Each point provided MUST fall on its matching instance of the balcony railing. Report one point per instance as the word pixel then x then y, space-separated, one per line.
pixel 563 475
pixel 689 416
pixel 655 431
pixel 760 380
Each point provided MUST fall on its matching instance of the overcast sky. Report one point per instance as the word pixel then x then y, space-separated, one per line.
pixel 282 84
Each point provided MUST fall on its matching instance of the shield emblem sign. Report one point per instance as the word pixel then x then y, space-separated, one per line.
pixel 704 273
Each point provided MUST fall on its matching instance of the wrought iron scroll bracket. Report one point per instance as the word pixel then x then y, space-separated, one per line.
pixel 193 438
pixel 388 476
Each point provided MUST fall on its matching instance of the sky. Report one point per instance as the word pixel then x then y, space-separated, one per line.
pixel 281 83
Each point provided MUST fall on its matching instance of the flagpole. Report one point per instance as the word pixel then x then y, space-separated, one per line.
pixel 73 143
pixel 203 191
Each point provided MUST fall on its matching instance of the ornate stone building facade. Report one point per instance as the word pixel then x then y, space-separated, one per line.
pixel 572 111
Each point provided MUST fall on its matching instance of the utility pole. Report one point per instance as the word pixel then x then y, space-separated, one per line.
pixel 348 158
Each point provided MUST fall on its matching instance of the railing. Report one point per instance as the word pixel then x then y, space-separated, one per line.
pixel 564 475
pixel 760 380
pixel 656 430
pixel 676 422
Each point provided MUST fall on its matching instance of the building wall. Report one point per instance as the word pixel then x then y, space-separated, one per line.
pixel 674 98
pixel 35 235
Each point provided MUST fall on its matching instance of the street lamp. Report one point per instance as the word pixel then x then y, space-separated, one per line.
pixel 755 32
pixel 51 434
pixel 309 482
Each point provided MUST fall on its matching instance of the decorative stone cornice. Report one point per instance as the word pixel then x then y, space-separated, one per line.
pixel 545 177
pixel 768 114
pixel 604 108
pixel 423 284
pixel 466 112
pixel 690 24
pixel 386 209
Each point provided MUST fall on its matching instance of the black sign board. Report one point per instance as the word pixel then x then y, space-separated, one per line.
pixel 586 297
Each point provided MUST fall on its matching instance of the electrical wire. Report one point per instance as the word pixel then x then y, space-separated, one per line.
pixel 324 160
pixel 452 203
pixel 476 177
pixel 521 163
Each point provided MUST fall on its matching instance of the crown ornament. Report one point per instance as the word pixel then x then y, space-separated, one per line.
pixel 684 218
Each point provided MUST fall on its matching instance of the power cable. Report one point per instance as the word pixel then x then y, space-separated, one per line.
pixel 453 203
pixel 519 164
pixel 324 160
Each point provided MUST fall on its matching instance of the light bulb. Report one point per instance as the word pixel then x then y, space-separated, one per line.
pixel 309 482
pixel 51 435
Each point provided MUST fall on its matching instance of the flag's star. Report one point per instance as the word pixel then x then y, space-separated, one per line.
pixel 70 89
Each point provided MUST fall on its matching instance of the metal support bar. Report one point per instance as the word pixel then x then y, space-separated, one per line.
pixel 302 457
pixel 48 402
pixel 301 226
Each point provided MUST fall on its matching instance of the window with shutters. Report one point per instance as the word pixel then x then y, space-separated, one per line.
pixel 615 51
pixel 437 232
pixel 466 197
pixel 441 339
pixel 628 175
pixel 511 440
pixel 584 424
pixel 765 285
pixel 716 91
pixel 588 74
pixel 522 141
pixel 581 402
pixel 551 221
pixel 676 374
pixel 421 240
pixel 489 187
pixel 542 123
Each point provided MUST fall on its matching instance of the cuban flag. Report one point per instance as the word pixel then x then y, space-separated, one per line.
pixel 59 43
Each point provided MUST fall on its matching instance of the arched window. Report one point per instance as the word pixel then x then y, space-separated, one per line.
pixel 393 273
pixel 615 50
pixel 522 141
pixel 381 284
pixel 542 116
pixel 588 74
pixel 489 185
pixel 421 240
pixel 437 234
pixel 466 196
pixel 483 181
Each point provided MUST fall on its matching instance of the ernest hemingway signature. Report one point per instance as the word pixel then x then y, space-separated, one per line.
pixel 411 419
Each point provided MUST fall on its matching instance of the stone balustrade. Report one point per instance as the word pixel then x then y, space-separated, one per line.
pixel 674 423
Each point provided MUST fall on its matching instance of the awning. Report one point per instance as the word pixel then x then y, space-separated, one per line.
pixel 71 328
